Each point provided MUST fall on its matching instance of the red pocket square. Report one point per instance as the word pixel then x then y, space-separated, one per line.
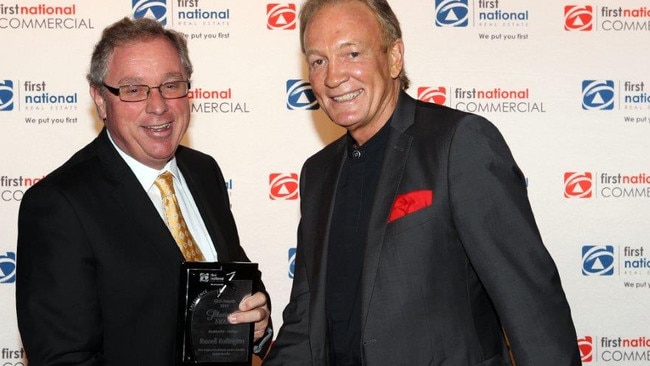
pixel 410 202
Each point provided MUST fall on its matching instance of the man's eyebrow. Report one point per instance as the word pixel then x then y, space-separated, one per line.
pixel 139 81
pixel 341 46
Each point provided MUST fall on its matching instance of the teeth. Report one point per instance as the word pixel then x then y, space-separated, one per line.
pixel 346 97
pixel 159 128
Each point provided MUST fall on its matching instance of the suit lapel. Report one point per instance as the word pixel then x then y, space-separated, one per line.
pixel 140 215
pixel 392 171
pixel 315 225
pixel 202 197
pixel 325 194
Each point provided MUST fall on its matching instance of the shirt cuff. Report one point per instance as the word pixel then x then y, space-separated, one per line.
pixel 262 343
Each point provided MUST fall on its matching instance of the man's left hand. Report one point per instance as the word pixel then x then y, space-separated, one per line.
pixel 253 309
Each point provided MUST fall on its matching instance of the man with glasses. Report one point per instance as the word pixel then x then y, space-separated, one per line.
pixel 99 270
pixel 136 93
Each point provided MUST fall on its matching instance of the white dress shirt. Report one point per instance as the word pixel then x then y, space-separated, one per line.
pixel 146 176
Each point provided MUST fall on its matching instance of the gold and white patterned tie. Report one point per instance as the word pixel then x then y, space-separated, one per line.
pixel 175 221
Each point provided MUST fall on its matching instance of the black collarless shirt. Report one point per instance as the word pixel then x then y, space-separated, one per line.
pixel 354 197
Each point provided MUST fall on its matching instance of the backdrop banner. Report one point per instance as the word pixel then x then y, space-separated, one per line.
pixel 566 82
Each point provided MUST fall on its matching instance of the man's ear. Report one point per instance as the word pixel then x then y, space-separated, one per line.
pixel 396 58
pixel 100 102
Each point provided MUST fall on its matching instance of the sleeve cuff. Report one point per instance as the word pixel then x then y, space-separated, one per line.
pixel 262 344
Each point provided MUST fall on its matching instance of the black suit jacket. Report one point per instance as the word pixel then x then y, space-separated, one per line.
pixel 439 284
pixel 98 271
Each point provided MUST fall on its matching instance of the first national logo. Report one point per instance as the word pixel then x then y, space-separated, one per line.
pixel 6 95
pixel 8 267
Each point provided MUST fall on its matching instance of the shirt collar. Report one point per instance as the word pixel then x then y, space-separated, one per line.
pixel 145 175
pixel 376 142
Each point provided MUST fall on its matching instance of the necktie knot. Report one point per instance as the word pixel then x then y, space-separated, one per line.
pixel 175 221
pixel 165 183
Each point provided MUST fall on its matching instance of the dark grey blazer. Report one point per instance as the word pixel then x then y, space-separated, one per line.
pixel 98 270
pixel 439 284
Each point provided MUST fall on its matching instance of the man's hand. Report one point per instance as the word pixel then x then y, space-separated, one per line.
pixel 253 309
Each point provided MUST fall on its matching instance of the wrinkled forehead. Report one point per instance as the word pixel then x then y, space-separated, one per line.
pixel 141 60
pixel 341 20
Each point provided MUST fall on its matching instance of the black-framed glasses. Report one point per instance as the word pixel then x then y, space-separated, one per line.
pixel 137 93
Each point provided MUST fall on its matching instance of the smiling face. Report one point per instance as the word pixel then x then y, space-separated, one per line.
pixel 149 130
pixel 354 78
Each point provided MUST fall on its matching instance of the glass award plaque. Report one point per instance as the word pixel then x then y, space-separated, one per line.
pixel 209 292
